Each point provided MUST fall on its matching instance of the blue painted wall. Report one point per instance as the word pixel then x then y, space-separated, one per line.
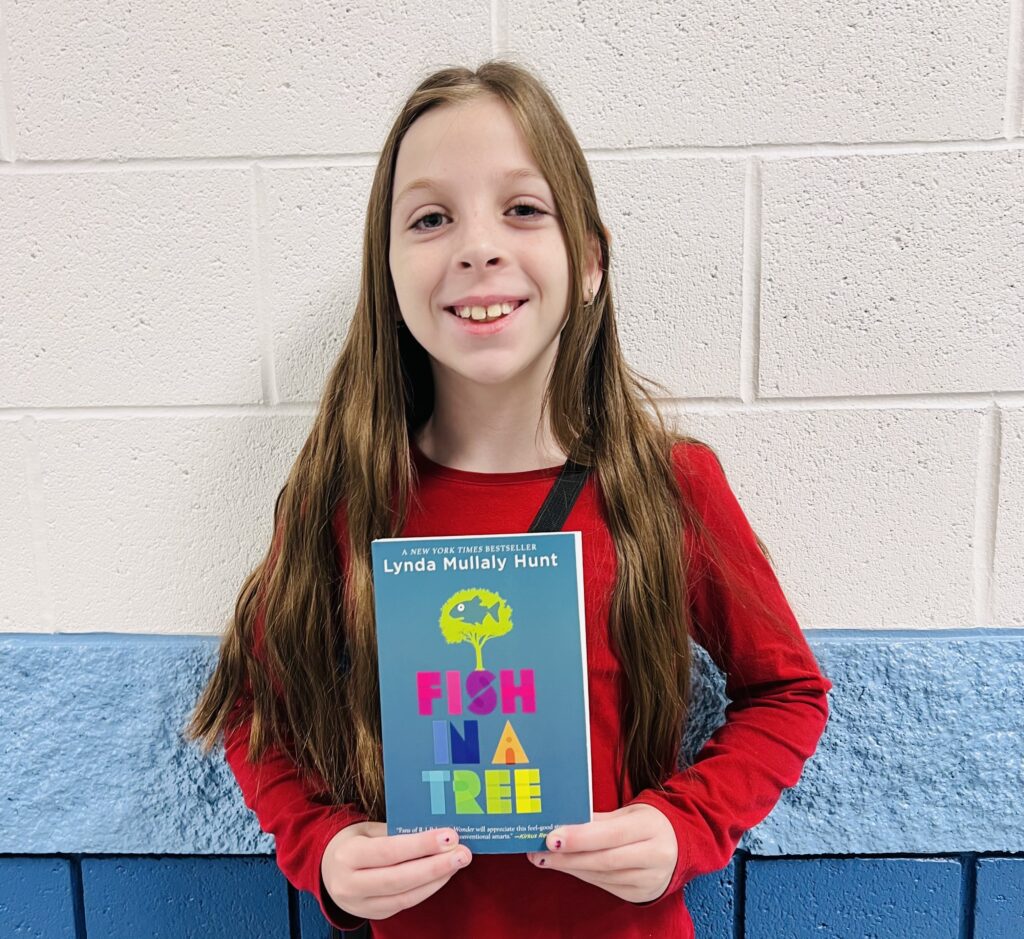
pixel 112 826
pixel 753 898
pixel 172 897
pixel 38 897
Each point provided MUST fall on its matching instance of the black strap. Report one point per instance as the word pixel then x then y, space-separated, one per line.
pixel 561 498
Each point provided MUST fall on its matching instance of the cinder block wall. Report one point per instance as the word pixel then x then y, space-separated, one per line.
pixel 817 217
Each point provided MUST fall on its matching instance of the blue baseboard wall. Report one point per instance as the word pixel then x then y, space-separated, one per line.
pixel 907 822
pixel 131 897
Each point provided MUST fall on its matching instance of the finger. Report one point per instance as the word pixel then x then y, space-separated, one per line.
pixel 395 849
pixel 402 878
pixel 383 907
pixel 628 856
pixel 607 830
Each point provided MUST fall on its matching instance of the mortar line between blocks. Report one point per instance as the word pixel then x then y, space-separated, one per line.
pixel 294 923
pixel 968 894
pixel 78 898
pixel 737 153
pixel 750 291
pixel 739 896
pixel 42 569
pixel 265 332
pixel 499 28
pixel 986 513
pixel 1013 115
pixel 929 401
pixel 7 145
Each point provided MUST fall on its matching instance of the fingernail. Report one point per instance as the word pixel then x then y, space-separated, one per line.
pixel 558 843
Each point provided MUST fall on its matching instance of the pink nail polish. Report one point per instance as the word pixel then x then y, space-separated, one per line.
pixel 558 843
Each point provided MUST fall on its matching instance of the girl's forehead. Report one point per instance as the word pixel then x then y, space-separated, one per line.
pixel 474 139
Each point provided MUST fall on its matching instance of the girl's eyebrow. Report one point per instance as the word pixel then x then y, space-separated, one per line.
pixel 426 183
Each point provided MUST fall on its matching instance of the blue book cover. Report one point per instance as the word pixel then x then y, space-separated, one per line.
pixel 483 686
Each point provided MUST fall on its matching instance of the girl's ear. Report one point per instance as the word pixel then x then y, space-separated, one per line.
pixel 595 275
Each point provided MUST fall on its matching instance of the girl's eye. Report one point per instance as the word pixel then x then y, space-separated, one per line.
pixel 519 205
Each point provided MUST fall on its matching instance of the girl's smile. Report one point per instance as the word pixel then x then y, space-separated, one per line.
pixel 485 327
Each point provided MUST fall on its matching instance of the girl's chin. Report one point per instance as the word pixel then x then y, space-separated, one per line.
pixel 492 368
pixel 486 378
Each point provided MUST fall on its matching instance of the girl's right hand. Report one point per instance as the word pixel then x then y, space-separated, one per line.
pixel 373 875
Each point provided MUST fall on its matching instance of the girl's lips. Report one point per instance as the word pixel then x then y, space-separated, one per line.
pixel 485 327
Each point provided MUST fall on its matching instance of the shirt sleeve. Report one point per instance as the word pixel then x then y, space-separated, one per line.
pixel 289 807
pixel 778 706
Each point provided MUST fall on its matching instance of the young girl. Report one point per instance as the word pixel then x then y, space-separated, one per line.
pixel 482 356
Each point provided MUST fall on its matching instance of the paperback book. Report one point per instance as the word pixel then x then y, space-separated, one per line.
pixel 483 687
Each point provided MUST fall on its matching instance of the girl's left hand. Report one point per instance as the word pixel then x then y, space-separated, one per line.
pixel 630 852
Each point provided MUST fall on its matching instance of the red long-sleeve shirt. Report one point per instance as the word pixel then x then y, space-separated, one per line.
pixel 777 714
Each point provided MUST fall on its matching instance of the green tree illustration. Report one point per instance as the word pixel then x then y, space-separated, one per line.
pixel 475 615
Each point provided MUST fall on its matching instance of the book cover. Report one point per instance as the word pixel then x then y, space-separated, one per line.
pixel 484 710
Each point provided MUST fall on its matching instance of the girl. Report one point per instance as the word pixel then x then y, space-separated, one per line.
pixel 482 356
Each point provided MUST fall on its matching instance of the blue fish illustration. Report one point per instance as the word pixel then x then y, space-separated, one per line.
pixel 473 611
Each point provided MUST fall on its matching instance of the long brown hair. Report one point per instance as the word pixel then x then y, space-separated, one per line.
pixel 299 656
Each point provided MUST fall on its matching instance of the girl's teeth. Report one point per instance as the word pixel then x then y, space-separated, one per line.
pixel 492 312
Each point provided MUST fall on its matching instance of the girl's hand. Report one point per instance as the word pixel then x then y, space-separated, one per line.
pixel 373 875
pixel 630 852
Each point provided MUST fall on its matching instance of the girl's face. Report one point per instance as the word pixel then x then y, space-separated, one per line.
pixel 477 230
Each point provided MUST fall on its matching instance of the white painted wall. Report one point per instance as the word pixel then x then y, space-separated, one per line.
pixel 817 215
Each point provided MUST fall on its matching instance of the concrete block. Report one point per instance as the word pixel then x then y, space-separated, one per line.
pixel 177 79
pixel 711 901
pixel 25 584
pixel 884 898
pixel 694 74
pixel 999 898
pixel 892 274
pixel 1008 563
pixel 869 514
pixel 677 250
pixel 36 898
pixel 127 288
pixel 155 522
pixel 183 898
pixel 311 249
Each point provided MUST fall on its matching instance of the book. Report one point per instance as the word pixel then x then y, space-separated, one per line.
pixel 485 716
